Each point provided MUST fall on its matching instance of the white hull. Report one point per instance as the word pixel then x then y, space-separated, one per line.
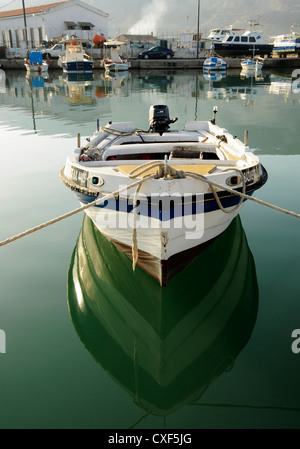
pixel 252 64
pixel 161 239
pixel 214 63
pixel 116 67
pixel 34 68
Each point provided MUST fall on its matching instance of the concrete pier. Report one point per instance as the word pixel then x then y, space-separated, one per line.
pixel 165 64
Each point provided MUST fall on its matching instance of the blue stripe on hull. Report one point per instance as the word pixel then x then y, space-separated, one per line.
pixel 174 206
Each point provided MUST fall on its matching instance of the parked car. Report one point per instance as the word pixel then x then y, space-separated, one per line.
pixel 53 52
pixel 59 50
pixel 157 53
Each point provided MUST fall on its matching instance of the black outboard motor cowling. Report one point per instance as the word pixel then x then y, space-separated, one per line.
pixel 159 118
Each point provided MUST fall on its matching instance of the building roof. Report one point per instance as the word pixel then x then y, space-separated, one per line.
pixel 30 9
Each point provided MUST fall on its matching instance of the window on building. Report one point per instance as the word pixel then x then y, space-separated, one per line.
pixel 70 25
pixel 86 25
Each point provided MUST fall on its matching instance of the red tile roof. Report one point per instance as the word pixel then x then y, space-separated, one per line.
pixel 29 10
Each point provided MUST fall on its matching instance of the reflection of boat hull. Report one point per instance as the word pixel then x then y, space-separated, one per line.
pixel 214 76
pixel 165 346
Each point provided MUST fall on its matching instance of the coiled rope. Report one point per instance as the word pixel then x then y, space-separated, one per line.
pixel 164 170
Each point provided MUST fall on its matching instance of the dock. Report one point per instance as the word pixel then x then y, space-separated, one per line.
pixel 166 64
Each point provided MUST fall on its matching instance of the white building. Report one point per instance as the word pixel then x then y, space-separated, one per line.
pixel 50 21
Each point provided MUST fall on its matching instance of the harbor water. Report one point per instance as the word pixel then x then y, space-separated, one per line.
pixel 85 342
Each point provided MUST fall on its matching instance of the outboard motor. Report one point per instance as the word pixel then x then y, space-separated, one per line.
pixel 159 119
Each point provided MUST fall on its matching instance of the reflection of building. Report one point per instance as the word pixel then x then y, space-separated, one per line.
pixel 57 100
pixel 49 21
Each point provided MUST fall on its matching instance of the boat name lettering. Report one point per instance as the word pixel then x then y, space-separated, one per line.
pixel 79 176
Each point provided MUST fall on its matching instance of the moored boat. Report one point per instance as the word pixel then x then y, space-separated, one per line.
pixel 214 63
pixel 116 62
pixel 35 63
pixel 75 60
pixel 286 44
pixel 253 64
pixel 162 196
pixel 248 43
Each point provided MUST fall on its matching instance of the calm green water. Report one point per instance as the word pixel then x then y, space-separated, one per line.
pixel 89 343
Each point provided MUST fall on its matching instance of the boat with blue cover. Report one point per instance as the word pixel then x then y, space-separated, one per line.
pixel 35 63
pixel 162 195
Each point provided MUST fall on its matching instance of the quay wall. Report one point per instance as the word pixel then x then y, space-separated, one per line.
pixel 164 64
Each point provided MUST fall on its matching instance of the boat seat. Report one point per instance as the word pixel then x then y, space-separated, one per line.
pixel 199 169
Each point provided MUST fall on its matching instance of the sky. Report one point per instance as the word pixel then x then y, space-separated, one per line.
pixel 170 17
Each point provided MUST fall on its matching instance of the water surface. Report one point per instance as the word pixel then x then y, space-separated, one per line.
pixel 89 343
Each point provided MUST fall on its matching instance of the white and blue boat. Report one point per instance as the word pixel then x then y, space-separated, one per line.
pixel 253 64
pixel 286 44
pixel 150 192
pixel 214 63
pixel 75 60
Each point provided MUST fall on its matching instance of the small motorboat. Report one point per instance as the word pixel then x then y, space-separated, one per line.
pixel 214 63
pixel 75 60
pixel 162 196
pixel 252 64
pixel 116 62
pixel 35 63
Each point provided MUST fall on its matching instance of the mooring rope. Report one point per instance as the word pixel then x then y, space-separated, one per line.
pixel 162 167
pixel 69 214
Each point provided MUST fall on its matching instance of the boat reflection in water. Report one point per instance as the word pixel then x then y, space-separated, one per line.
pixel 164 346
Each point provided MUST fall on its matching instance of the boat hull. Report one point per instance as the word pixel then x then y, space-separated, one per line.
pixel 117 67
pixel 77 66
pixel 214 64
pixel 34 68
pixel 223 49
pixel 163 235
